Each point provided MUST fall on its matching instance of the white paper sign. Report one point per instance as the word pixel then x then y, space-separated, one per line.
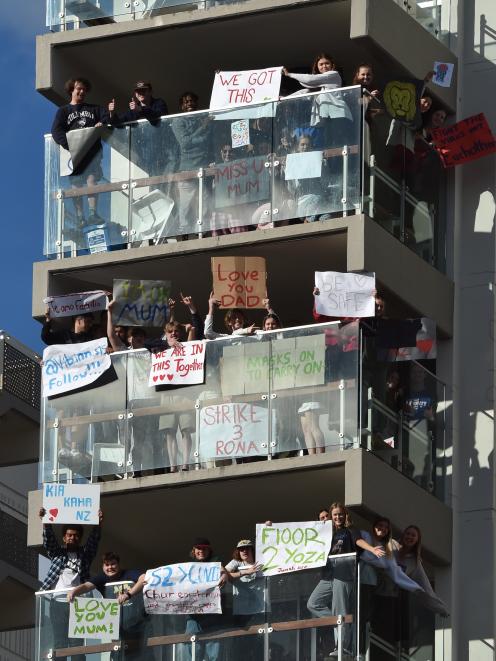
pixel 237 88
pixel 71 503
pixel 240 133
pixel 69 305
pixel 234 430
pixel 443 73
pixel 190 587
pixel 288 547
pixel 345 294
pixel 70 366
pixel 184 364
pixel 304 165
pixel 94 618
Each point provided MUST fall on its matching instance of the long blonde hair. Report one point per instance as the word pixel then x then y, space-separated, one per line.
pixel 347 521
pixel 388 541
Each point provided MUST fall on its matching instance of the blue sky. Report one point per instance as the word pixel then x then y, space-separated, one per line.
pixel 25 117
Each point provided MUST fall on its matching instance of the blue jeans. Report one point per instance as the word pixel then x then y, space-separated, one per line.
pixel 209 650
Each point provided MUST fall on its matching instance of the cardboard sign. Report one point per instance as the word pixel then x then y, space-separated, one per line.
pixel 70 366
pixel 464 141
pixel 191 587
pixel 95 618
pixel 240 133
pixel 141 302
pixel 241 182
pixel 293 362
pixel 237 88
pixel 289 547
pixel 345 294
pixel 401 98
pixel 443 73
pixel 234 430
pixel 239 282
pixel 304 165
pixel 178 366
pixel 71 503
pixel 70 305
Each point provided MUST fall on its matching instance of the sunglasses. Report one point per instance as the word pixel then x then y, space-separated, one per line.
pixel 202 547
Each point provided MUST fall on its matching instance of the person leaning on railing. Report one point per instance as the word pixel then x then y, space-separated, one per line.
pixel 335 593
pixel 112 581
pixel 234 320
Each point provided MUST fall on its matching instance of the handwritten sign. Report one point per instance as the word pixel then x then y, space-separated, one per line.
pixel 141 302
pixel 345 294
pixel 71 503
pixel 241 181
pixel 304 165
pixel 234 430
pixel 191 587
pixel 239 282
pixel 69 305
pixel 294 362
pixel 70 366
pixel 240 133
pixel 465 141
pixel 443 73
pixel 401 98
pixel 94 618
pixel 236 88
pixel 180 365
pixel 289 547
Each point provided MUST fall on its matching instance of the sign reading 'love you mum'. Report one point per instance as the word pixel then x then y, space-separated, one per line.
pixel 183 364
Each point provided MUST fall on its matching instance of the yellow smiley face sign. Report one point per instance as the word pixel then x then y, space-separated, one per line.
pixel 401 100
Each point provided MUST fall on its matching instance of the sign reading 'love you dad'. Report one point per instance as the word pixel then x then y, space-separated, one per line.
pixel 181 365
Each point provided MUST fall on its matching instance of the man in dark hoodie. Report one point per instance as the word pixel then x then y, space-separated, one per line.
pixel 78 114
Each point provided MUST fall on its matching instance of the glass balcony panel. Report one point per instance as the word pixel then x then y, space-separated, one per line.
pixel 234 413
pixel 405 421
pixel 88 212
pixel 52 624
pixel 318 147
pixel 304 610
pixel 84 432
pixel 238 184
pixel 314 387
pixel 155 161
pixel 74 14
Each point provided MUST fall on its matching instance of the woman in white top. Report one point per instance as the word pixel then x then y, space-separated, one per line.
pixel 324 78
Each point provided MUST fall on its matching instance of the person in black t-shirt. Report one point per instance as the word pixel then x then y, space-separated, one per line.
pixel 335 592
pixel 112 582
pixel 112 572
pixel 78 114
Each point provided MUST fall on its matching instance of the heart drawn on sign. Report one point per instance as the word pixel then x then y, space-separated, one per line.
pixel 53 513
pixel 170 376
pixel 360 280
pixel 155 379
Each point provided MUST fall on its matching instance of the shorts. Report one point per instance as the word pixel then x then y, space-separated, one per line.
pixel 179 416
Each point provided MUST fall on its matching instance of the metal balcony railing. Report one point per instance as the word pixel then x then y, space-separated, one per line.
pixel 277 394
pixel 180 178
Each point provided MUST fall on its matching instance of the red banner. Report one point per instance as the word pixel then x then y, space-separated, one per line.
pixel 464 141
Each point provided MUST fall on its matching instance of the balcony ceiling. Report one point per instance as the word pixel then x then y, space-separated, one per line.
pixel 250 35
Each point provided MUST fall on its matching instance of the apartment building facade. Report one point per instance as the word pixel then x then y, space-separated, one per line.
pixel 427 234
